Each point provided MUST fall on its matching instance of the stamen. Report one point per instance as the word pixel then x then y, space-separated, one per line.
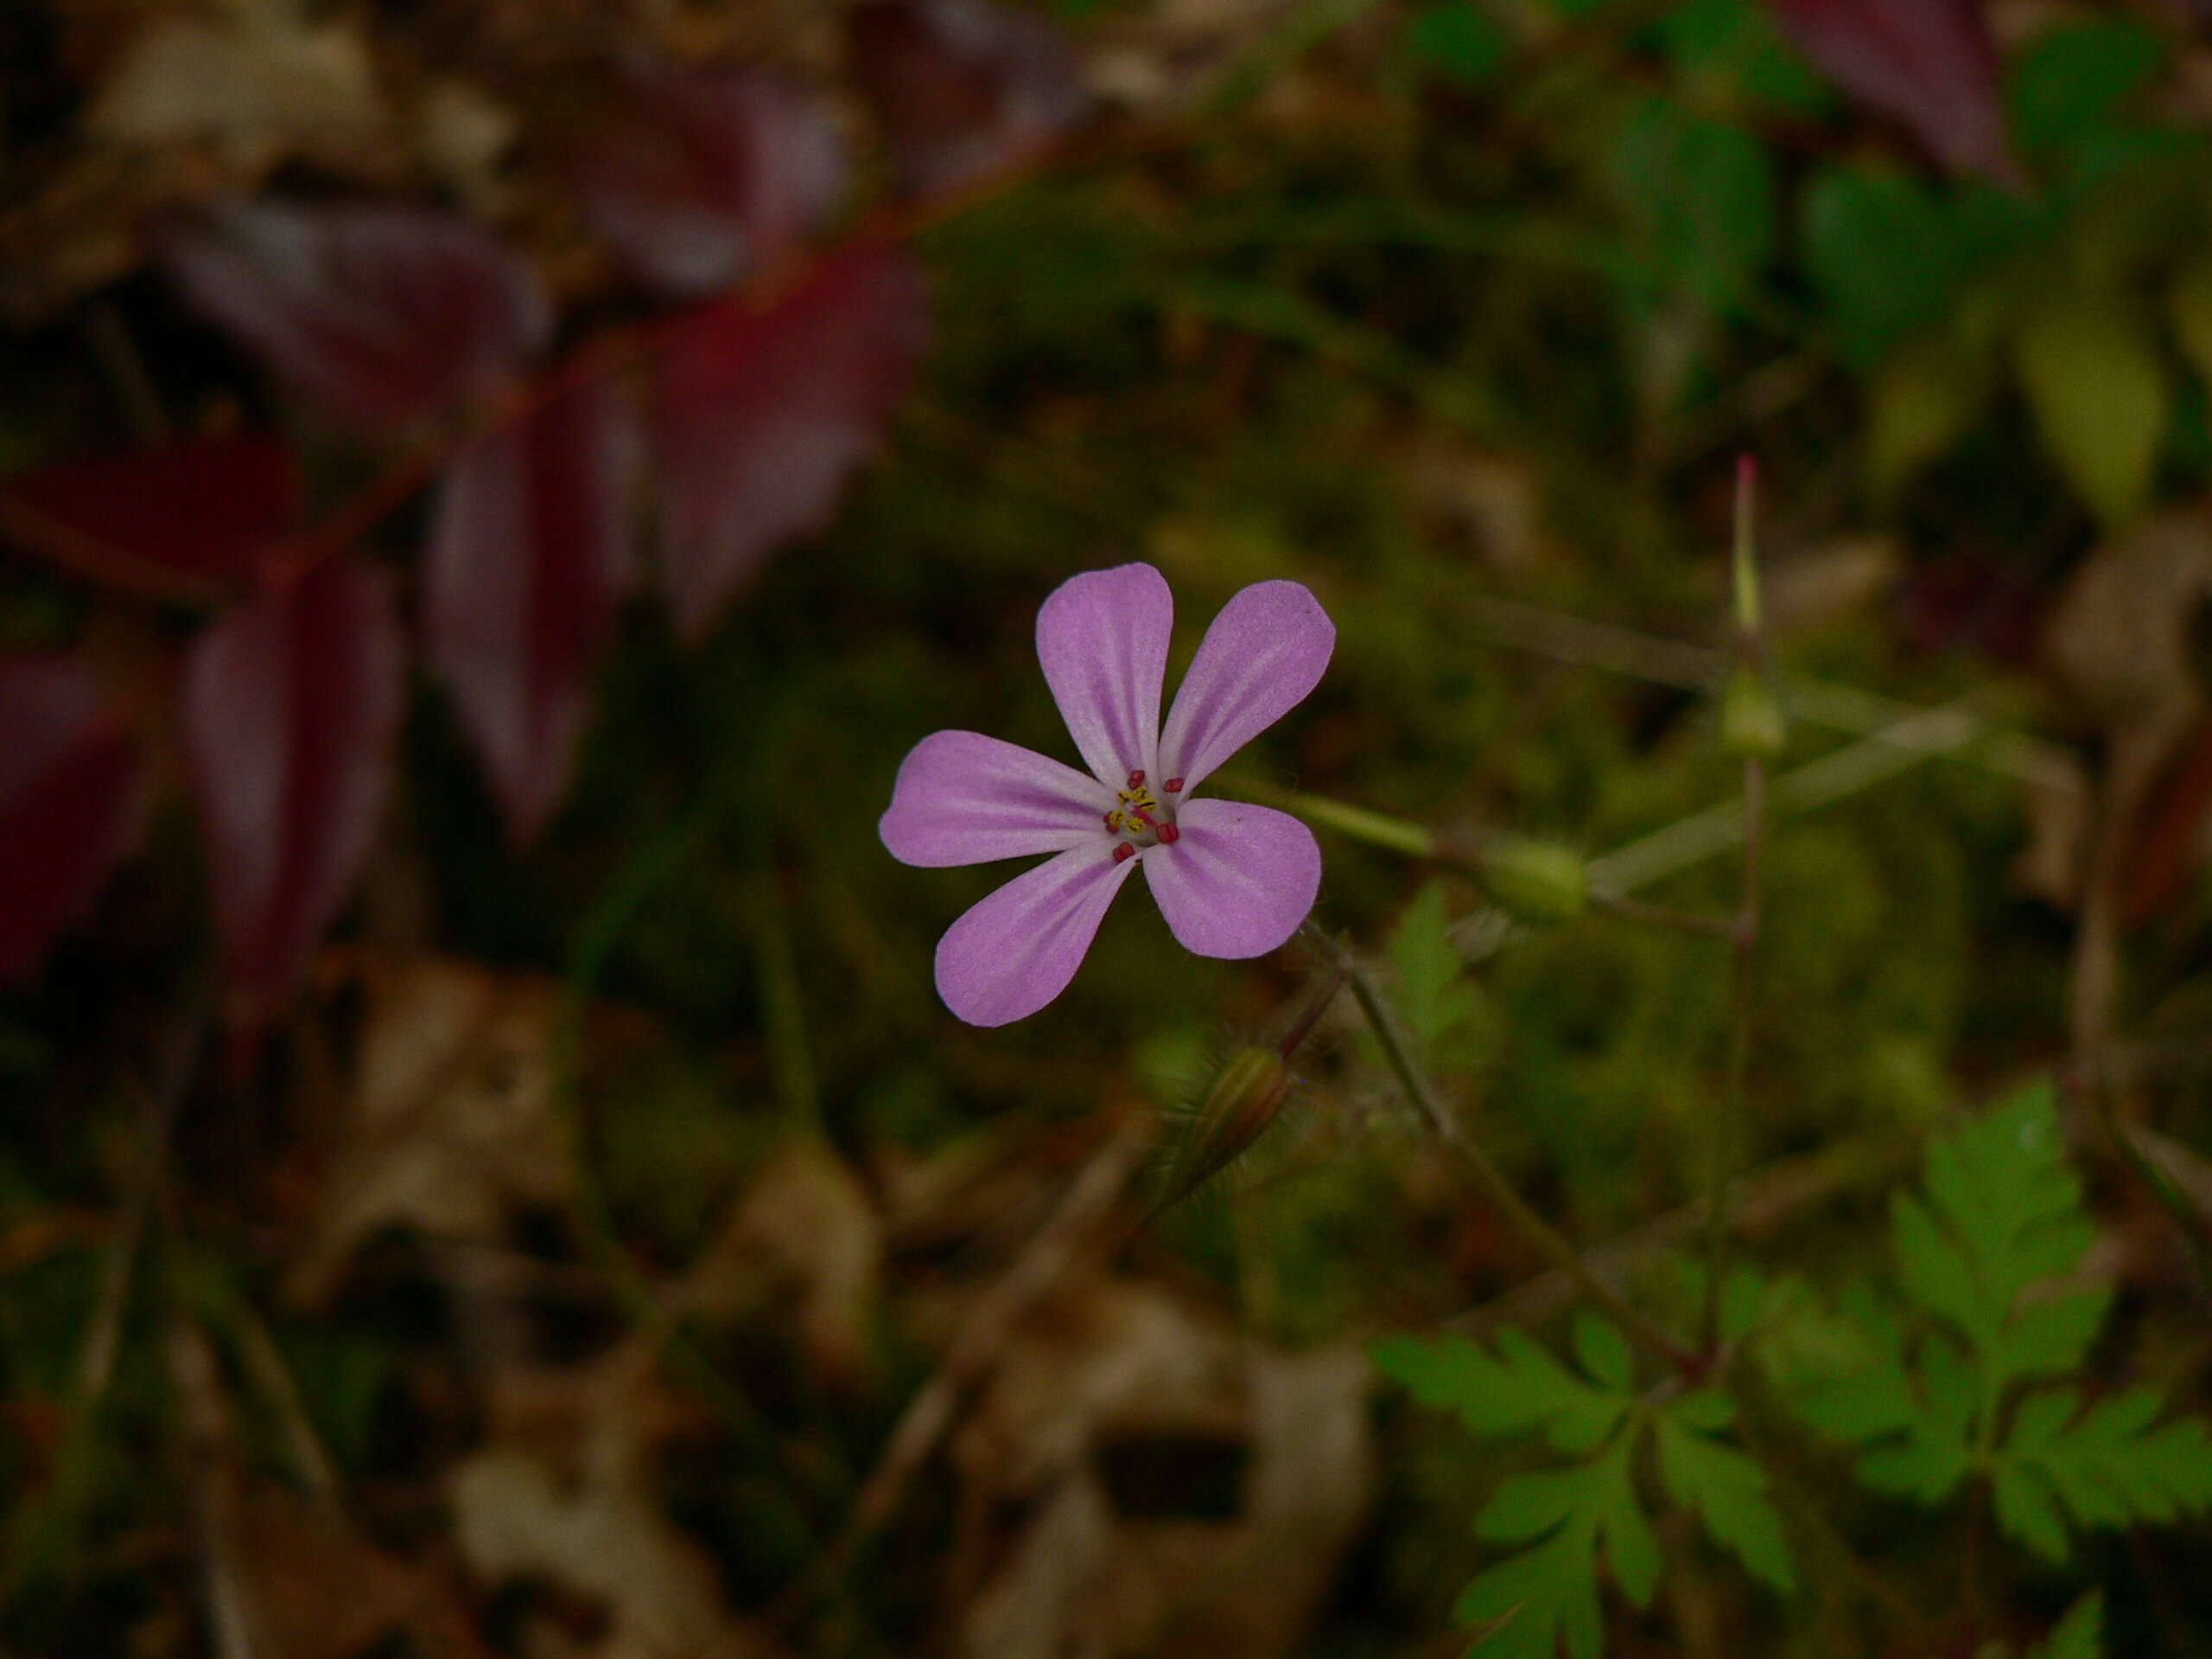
pixel 1168 832
pixel 1123 849
pixel 1136 780
pixel 1174 786
pixel 1113 822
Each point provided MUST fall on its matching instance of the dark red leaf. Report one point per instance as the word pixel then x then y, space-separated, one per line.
pixel 706 172
pixel 70 785
pixel 291 701
pixel 201 510
pixel 961 87
pixel 380 314
pixel 1931 63
pixel 530 554
pixel 761 416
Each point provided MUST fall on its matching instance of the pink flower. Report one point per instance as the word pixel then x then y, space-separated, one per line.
pixel 1231 879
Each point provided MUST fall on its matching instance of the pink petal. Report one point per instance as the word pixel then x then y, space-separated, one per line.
pixel 530 553
pixel 71 781
pixel 1238 879
pixel 1016 950
pixel 382 314
pixel 965 798
pixel 761 416
pixel 290 703
pixel 1931 63
pixel 197 508
pixel 706 172
pixel 1268 648
pixel 1101 638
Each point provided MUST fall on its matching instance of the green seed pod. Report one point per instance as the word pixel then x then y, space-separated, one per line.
pixel 1750 719
pixel 1535 880
pixel 1241 1101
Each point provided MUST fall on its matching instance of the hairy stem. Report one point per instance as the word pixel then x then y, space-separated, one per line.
pixel 1489 1179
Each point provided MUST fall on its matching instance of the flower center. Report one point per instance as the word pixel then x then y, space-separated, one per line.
pixel 1141 817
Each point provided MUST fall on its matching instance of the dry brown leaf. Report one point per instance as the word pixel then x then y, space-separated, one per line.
pixel 1187 1490
pixel 319 1590
pixel 806 1227
pixel 255 84
pixel 453 1126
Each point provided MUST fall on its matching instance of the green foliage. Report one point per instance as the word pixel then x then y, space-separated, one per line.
pixel 2069 85
pixel 1566 1517
pixel 1458 41
pixel 1699 196
pixel 1999 1218
pixel 1735 43
pixel 2081 1634
pixel 2097 386
pixel 1436 999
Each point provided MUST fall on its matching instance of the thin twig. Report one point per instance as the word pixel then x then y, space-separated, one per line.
pixel 1489 1180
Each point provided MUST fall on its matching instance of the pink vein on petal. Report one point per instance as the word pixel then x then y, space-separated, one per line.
pixel 1015 951
pixel 1238 880
pixel 1102 638
pixel 1268 648
pixel 965 798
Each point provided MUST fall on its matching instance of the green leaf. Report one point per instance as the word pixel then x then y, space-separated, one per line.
pixel 1876 248
pixel 2003 1211
pixel 1518 1390
pixel 1735 43
pixel 2081 1634
pixel 1915 1431
pixel 1603 1352
pixel 1459 40
pixel 1548 1594
pixel 2067 86
pixel 2112 1466
pixel 1726 1489
pixel 1698 196
pixel 2188 306
pixel 2096 384
pixel 1436 1000
pixel 1920 402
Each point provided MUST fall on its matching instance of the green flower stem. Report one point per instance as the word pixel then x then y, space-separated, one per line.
pixel 1489 1180
pixel 1413 841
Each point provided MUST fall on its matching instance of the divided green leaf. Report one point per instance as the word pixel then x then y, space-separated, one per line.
pixel 2081 1634
pixel 1436 1001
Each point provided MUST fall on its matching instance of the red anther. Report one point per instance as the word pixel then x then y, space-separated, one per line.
pixel 1174 786
pixel 1114 821
pixel 1123 850
pixel 1168 832
pixel 1136 780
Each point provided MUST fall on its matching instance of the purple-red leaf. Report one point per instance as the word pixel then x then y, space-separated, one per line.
pixel 380 314
pixel 961 87
pixel 154 521
pixel 761 416
pixel 291 701
pixel 1931 63
pixel 530 554
pixel 70 785
pixel 706 173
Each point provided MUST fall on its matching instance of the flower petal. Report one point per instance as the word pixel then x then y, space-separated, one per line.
pixel 1238 879
pixel 1267 649
pixel 965 798
pixel 1101 638
pixel 1015 951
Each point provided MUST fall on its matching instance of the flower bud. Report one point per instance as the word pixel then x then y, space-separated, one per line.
pixel 1243 1098
pixel 1535 880
pixel 1750 719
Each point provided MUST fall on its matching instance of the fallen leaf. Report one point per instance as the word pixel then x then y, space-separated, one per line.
pixel 382 314
pixel 153 521
pixel 961 87
pixel 253 81
pixel 1173 1487
pixel 704 173
pixel 290 704
pixel 1931 63
pixel 530 554
pixel 761 415
pixel 805 1222
pixel 451 1128
pixel 71 782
